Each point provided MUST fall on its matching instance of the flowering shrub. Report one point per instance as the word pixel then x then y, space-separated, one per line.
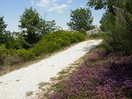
pixel 111 79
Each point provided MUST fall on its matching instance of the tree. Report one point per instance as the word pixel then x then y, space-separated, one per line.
pixel 46 27
pixel 109 5
pixel 107 22
pixel 29 23
pixel 2 30
pixel 33 26
pixel 117 23
pixel 81 19
pixel 2 25
pixel 50 26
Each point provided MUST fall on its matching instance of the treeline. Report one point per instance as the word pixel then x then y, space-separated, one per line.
pixel 33 28
pixel 39 36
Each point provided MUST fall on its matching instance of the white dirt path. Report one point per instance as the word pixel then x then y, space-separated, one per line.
pixel 14 85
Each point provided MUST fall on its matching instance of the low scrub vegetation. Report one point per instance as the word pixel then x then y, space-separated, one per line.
pixel 98 78
pixel 99 35
pixel 48 44
pixel 57 40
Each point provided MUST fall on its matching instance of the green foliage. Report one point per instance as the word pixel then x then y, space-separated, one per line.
pixel 45 27
pixel 11 58
pixel 81 19
pixel 29 22
pixel 8 57
pixel 14 44
pixel 25 54
pixel 2 30
pixel 117 23
pixel 56 40
pixel 34 26
pixel 79 36
pixel 37 37
pixel 109 5
pixel 107 22
pixel 2 25
pixel 2 53
pixel 99 35
pixel 6 37
pixel 49 43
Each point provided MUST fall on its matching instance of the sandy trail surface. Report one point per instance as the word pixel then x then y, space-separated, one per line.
pixel 16 84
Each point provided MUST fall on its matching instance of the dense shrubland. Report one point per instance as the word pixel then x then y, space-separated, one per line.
pixel 37 37
pixel 48 44
pixel 57 40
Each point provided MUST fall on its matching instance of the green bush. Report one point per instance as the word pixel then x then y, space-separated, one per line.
pixel 3 51
pixel 25 54
pixel 97 35
pixel 38 48
pixel 51 46
pixel 13 44
pixel 12 60
pixel 49 43
pixel 79 36
pixel 54 41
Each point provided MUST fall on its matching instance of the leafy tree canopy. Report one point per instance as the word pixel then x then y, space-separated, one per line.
pixel 29 22
pixel 116 22
pixel 34 26
pixel 81 19
pixel 2 25
pixel 2 30
pixel 46 27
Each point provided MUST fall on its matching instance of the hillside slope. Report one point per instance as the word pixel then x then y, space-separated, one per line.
pixel 16 84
